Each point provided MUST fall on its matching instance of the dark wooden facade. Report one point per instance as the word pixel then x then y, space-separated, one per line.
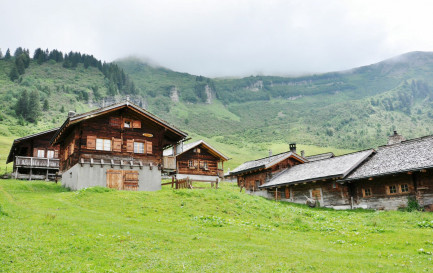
pixel 34 157
pixel 251 180
pixel 200 161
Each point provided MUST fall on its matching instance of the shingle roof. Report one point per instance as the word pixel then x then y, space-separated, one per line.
pixel 189 146
pixel 335 167
pixel 312 158
pixel 264 162
pixel 402 157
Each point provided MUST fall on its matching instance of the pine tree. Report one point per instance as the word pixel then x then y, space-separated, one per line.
pixel 34 107
pixel 46 105
pixel 8 54
pixel 18 52
pixel 19 64
pixel 22 106
pixel 14 75
pixel 1 54
pixel 62 109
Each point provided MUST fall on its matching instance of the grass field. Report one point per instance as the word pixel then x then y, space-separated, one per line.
pixel 45 228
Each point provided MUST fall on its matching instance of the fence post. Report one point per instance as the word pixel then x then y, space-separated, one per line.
pixel 172 181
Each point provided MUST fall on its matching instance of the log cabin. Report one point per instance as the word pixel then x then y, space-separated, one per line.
pixel 252 174
pixel 34 157
pixel 198 161
pixel 119 146
pixel 316 181
pixel 397 171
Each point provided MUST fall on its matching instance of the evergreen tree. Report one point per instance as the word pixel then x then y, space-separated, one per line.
pixel 8 54
pixel 62 109
pixel 1 54
pixel 14 75
pixel 112 90
pixel 46 105
pixel 19 64
pixel 18 52
pixel 34 106
pixel 96 93
pixel 22 106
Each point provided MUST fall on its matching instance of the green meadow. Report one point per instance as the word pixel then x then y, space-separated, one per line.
pixel 46 228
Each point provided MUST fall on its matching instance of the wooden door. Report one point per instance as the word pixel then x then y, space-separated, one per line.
pixel 130 182
pixel 115 179
pixel 316 194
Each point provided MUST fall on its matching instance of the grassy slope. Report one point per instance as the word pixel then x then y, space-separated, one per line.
pixel 45 228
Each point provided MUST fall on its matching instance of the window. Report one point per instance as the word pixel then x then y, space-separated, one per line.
pixel 366 192
pixel 41 153
pixel 404 188
pixel 205 165
pixel 190 164
pixel 220 165
pixel 392 189
pixel 257 184
pixel 334 185
pixel 103 144
pixel 139 147
pixel 127 124
pixel 50 154
pixel 197 150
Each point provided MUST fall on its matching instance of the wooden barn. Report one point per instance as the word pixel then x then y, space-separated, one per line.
pixel 316 181
pixel 252 174
pixel 397 171
pixel 119 146
pixel 34 157
pixel 198 161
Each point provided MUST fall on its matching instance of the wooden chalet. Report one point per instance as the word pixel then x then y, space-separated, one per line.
pixel 316 181
pixel 252 174
pixel 397 171
pixel 34 157
pixel 119 146
pixel 198 161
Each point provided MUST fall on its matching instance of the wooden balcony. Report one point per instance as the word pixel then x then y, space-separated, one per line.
pixel 169 162
pixel 36 162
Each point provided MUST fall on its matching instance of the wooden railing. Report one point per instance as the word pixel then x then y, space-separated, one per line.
pixel 37 162
pixel 169 162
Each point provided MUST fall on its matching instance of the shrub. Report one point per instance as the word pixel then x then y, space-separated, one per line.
pixel 412 204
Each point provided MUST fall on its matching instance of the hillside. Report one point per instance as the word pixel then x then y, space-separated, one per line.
pixel 43 227
pixel 244 117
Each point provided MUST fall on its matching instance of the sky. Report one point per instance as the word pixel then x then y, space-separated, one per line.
pixel 224 38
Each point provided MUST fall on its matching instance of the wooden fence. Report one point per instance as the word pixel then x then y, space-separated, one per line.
pixel 186 183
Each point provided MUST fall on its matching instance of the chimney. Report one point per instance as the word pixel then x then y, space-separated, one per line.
pixel 270 152
pixel 71 114
pixel 395 138
pixel 302 153
pixel 292 147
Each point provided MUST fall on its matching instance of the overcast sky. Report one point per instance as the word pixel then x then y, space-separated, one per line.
pixel 224 38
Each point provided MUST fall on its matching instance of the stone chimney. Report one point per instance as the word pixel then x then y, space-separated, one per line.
pixel 292 147
pixel 71 114
pixel 270 152
pixel 395 138
pixel 302 153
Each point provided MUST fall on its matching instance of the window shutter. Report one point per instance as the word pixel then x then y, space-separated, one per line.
pixel 115 121
pixel 136 124
pixel 71 149
pixel 287 191
pixel 91 142
pixel 149 147
pixel 56 153
pixel 35 152
pixel 130 145
pixel 117 144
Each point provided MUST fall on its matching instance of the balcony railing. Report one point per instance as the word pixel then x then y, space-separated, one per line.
pixel 169 162
pixel 36 162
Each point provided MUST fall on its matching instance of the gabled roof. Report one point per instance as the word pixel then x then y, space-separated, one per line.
pixel 264 163
pixel 409 155
pixel 335 167
pixel 189 146
pixel 312 158
pixel 101 111
pixel 18 140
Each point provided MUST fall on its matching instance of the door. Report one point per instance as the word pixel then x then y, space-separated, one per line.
pixel 130 182
pixel 115 179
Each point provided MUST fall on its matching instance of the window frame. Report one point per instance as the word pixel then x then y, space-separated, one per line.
pixel 41 151
pixel 104 140
pixel 129 121
pixel 191 164
pixel 395 187
pixel 406 187
pixel 364 192
pixel 143 146
pixel 50 152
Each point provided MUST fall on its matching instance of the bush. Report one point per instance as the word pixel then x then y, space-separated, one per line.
pixel 412 205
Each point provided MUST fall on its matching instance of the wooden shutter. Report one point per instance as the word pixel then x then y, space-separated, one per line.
pixel 117 144
pixel 72 147
pixel 136 124
pixel 91 142
pixel 130 145
pixel 56 153
pixel 149 147
pixel 115 121
pixel 35 152
pixel 115 179
pixel 287 191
